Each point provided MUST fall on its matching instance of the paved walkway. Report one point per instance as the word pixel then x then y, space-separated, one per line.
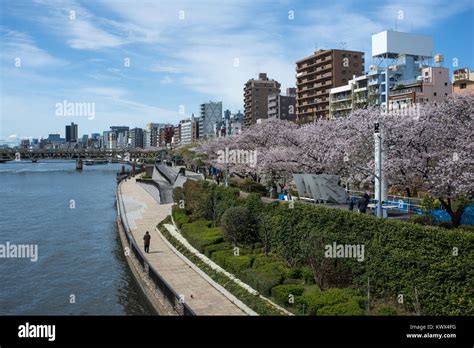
pixel 143 214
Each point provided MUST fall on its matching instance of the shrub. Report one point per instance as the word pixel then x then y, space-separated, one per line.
pixel 210 249
pixel 307 275
pixel 467 228
pixel 386 310
pixel 231 263
pixel 350 308
pixel 419 219
pixel 261 279
pixel 179 216
pixel 446 224
pixel 237 225
pixel 315 300
pixel 248 185
pixel 178 194
pixel 293 281
pixel 199 235
pixel 281 293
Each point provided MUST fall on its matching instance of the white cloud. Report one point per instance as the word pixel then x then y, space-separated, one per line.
pixel 19 50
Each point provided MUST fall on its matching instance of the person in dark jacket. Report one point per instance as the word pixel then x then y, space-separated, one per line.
pixel 363 203
pixel 146 239
pixel 351 204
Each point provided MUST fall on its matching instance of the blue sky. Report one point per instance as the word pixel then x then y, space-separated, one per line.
pixel 183 53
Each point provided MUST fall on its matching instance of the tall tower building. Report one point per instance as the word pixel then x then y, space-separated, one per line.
pixel 317 74
pixel 72 133
pixel 256 98
pixel 211 113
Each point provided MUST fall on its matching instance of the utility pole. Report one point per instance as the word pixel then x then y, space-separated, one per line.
pixel 379 180
pixel 226 174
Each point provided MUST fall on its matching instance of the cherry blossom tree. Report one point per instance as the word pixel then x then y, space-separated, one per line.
pixel 427 149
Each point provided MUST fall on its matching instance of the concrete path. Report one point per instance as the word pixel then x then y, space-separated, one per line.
pixel 143 214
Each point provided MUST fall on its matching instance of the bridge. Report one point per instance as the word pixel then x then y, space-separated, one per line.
pixel 126 156
pixel 122 155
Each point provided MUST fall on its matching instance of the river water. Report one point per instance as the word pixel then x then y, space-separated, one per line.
pixel 70 216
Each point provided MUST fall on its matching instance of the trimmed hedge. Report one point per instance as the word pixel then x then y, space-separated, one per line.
pixel 179 216
pixel 346 308
pixel 399 256
pixel 200 235
pixel 233 264
pixel 281 293
pixel 341 300
pixel 210 249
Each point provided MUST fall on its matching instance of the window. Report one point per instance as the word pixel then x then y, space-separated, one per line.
pixel 445 94
pixel 463 85
pixel 434 94
pixel 343 72
pixel 426 73
pixel 445 83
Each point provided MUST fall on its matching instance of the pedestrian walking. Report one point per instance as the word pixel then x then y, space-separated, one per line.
pixel 146 239
pixel 351 204
pixel 363 203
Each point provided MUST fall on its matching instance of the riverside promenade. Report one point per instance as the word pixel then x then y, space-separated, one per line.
pixel 143 212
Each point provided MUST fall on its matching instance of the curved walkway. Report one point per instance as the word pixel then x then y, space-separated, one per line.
pixel 143 214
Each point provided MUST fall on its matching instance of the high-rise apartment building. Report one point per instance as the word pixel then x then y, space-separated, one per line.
pixel 189 130
pixel 317 74
pixel 166 134
pixel 283 107
pixel 211 113
pixel 72 133
pixel 136 137
pixel 256 98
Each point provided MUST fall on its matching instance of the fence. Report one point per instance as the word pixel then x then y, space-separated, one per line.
pixel 407 205
pixel 159 284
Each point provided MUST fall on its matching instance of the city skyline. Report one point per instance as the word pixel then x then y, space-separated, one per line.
pixel 139 64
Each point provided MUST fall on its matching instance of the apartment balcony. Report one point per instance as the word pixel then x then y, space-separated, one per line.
pixel 325 67
pixel 374 82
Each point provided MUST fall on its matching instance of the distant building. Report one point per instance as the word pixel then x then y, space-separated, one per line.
pixel 432 86
pixel 256 98
pixel 136 138
pixel 281 106
pixel 72 133
pixel 346 98
pixel 189 130
pixel 317 74
pixel 176 141
pixel 211 113
pixel 54 138
pixel 463 81
pixel 166 135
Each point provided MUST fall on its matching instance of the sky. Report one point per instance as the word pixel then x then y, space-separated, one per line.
pixel 145 61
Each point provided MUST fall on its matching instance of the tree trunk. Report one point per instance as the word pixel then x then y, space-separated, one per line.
pixel 455 215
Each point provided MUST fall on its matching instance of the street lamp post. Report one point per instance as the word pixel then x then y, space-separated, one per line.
pixel 379 180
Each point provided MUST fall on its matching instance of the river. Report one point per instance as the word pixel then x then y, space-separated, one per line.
pixel 70 217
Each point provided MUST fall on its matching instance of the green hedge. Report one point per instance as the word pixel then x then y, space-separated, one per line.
pixel 346 308
pixel 281 293
pixel 200 235
pixel 232 263
pixel 179 216
pixel 210 249
pixel 399 256
pixel 318 302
